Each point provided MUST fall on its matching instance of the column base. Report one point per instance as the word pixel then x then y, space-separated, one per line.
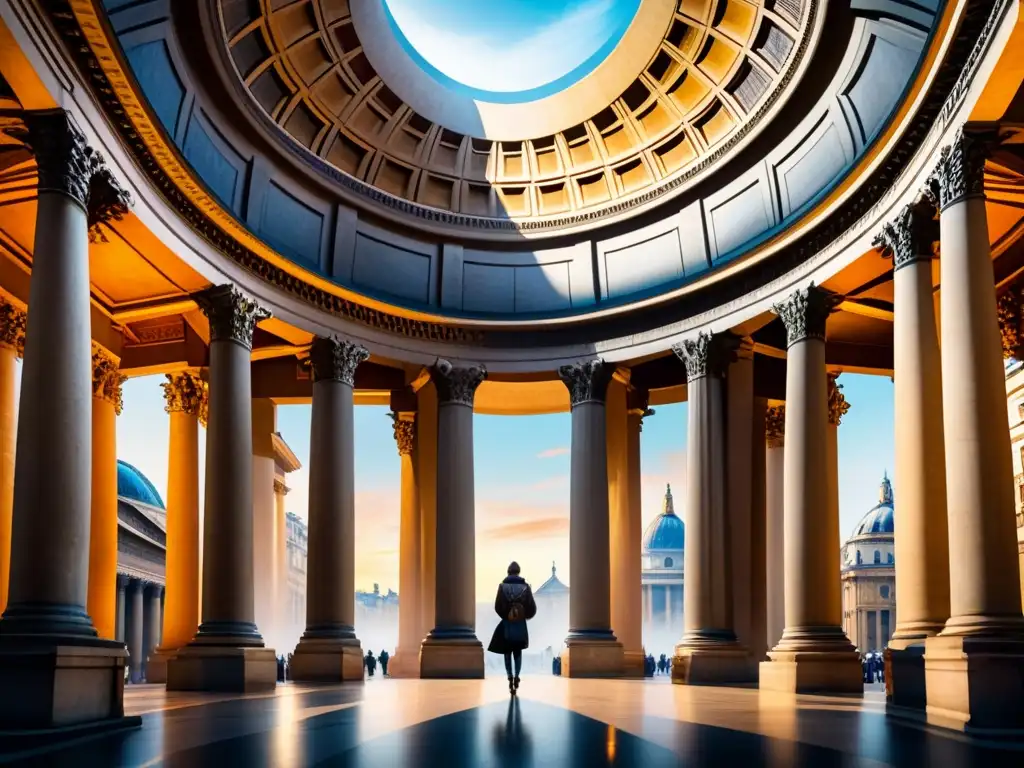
pixel 812 672
pixel 47 685
pixel 633 664
pixel 228 669
pixel 405 664
pixel 327 661
pixel 156 664
pixel 592 658
pixel 975 684
pixel 712 666
pixel 451 659
pixel 904 675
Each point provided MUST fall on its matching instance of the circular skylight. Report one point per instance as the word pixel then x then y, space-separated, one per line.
pixel 509 50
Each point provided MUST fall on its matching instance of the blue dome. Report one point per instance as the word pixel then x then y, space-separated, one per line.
pixel 133 485
pixel 880 519
pixel 666 531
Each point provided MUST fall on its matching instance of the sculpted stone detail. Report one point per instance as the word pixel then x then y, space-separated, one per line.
pixel 1010 321
pixel 65 162
pixel 107 379
pixel 12 327
pixel 333 359
pixel 233 316
pixel 775 426
pixel 186 393
pixel 804 313
pixel 456 385
pixel 587 382
pixel 108 200
pixel 911 235
pixel 837 404
pixel 961 168
pixel 707 355
pixel 405 432
pixel 280 489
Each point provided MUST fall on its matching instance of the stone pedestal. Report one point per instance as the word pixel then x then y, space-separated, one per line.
pixel 228 669
pixel 811 672
pixel 600 658
pixel 327 661
pixel 904 674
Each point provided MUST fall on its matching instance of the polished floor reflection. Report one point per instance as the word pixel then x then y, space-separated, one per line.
pixel 554 722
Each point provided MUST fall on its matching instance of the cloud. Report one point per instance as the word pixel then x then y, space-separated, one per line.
pixel 551 453
pixel 529 530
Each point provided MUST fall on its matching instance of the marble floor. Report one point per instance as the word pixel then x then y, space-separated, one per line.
pixel 553 722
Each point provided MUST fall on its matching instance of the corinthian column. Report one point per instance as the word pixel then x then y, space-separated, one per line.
pixel 813 654
pixel 54 671
pixel 406 660
pixel 775 568
pixel 452 649
pixel 186 397
pixel 974 669
pixel 329 650
pixel 12 346
pixel 591 648
pixel 106 407
pixel 837 408
pixel 708 652
pixel 227 653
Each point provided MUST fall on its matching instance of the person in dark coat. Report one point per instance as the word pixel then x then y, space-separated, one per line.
pixel 514 604
pixel 384 656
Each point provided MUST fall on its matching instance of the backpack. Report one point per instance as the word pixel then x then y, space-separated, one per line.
pixel 514 594
pixel 516 612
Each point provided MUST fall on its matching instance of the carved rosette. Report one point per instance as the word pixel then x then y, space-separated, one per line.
pixel 233 316
pixel 107 379
pixel 804 313
pixel 12 327
pixel 587 382
pixel 1010 324
pixel 837 404
pixel 186 393
pixel 775 426
pixel 456 385
pixel 707 355
pixel 961 169
pixel 405 432
pixel 334 359
pixel 910 236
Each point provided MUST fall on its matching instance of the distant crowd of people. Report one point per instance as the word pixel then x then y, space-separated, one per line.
pixel 284 665
pixel 873 665
pixel 661 666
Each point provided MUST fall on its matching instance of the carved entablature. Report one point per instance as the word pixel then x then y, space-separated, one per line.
pixel 12 327
pixel 187 393
pixel 805 312
pixel 233 316
pixel 961 169
pixel 456 385
pixel 837 404
pixel 707 355
pixel 107 379
pixel 587 382
pixel 1010 326
pixel 910 236
pixel 775 426
pixel 334 359
pixel 405 432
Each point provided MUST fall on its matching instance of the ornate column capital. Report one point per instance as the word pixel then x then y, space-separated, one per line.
pixel 587 382
pixel 334 359
pixel 456 385
pixel 64 161
pixel 186 393
pixel 12 327
pixel 961 168
pixel 707 355
pixel 106 379
pixel 910 236
pixel 804 313
pixel 837 404
pixel 405 431
pixel 1011 323
pixel 775 426
pixel 280 489
pixel 122 581
pixel 233 316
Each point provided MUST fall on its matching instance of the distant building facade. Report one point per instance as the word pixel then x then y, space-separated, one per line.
pixel 553 605
pixel 296 548
pixel 1015 415
pixel 662 568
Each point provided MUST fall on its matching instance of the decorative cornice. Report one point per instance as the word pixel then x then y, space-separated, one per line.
pixel 775 426
pixel 233 316
pixel 911 235
pixel 405 432
pixel 707 355
pixel 804 313
pixel 961 168
pixel 1011 323
pixel 334 359
pixel 587 382
pixel 837 404
pixel 12 327
pixel 107 379
pixel 186 393
pixel 456 385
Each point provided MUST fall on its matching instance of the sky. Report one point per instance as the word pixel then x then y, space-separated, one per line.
pixel 521 473
pixel 526 47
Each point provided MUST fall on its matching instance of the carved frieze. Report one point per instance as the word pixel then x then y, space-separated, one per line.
pixel 405 432
pixel 837 403
pixel 775 426
pixel 587 382
pixel 186 393
pixel 233 316
pixel 456 385
pixel 911 235
pixel 707 354
pixel 334 359
pixel 804 313
pixel 12 327
pixel 107 379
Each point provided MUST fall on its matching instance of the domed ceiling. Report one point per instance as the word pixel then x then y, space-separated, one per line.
pixel 532 110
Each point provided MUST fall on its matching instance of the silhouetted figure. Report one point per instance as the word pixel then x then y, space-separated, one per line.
pixel 280 669
pixel 650 665
pixel 662 664
pixel 371 663
pixel 514 603
pixel 384 656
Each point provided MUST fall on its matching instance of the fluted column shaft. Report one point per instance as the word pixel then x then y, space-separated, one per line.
pixel 758 645
pixel 12 346
pixel 152 619
pixel 426 477
pixel 837 408
pixel 406 660
pixel 282 616
pixel 775 579
pixel 739 437
pixel 122 585
pixel 135 623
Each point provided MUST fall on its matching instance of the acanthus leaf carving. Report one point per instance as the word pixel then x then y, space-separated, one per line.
pixel 587 382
